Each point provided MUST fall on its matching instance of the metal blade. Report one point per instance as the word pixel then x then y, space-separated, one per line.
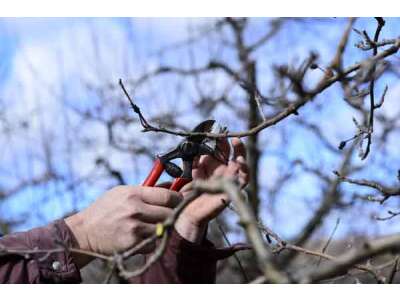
pixel 216 128
pixel 172 169
pixel 213 143
pixel 204 126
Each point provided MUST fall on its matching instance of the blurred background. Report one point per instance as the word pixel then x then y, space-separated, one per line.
pixel 67 133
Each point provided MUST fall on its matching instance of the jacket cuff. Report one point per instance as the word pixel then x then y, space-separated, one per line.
pixel 57 267
pixel 46 267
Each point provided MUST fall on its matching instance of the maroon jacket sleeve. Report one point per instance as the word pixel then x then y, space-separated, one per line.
pixel 57 267
pixel 186 262
pixel 182 262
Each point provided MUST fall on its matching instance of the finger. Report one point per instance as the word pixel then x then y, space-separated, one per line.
pixel 224 203
pixel 196 161
pixel 238 171
pixel 220 171
pixel 206 167
pixel 213 205
pixel 243 179
pixel 153 214
pixel 221 152
pixel 160 196
pixel 187 187
pixel 223 148
pixel 239 150
pixel 232 170
pixel 229 171
pixel 243 166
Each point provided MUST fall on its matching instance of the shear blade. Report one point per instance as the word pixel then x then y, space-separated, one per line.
pixel 172 169
pixel 205 126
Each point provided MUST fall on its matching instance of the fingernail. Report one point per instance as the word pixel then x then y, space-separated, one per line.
pixel 240 159
pixel 236 139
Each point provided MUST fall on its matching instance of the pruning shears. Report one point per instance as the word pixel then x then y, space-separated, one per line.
pixel 188 150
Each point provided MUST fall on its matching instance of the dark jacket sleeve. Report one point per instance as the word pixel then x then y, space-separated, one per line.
pixel 186 262
pixel 182 262
pixel 56 267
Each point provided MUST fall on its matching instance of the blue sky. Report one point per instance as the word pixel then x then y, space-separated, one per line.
pixel 49 62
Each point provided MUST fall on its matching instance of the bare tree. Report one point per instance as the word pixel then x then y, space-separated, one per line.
pixel 319 117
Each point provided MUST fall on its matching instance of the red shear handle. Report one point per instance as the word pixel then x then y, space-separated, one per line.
pixel 155 173
pixel 178 183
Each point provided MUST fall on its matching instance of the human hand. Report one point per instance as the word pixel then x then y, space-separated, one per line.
pixel 192 222
pixel 121 218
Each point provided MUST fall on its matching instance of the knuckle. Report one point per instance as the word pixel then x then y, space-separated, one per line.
pixel 136 210
pixel 134 194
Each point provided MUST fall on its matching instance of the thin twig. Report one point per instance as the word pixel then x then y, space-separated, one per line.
pixel 381 23
pixel 239 263
pixel 392 214
pixel 385 191
pixel 329 239
pixel 292 108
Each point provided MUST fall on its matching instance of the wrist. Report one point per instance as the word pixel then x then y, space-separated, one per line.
pixel 189 230
pixel 76 226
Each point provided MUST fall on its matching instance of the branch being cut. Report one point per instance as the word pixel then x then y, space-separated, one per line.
pixel 292 108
